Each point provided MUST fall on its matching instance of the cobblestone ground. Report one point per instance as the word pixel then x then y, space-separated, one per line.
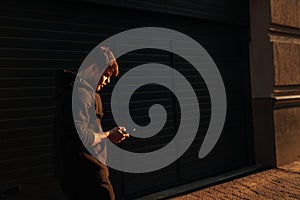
pixel 282 183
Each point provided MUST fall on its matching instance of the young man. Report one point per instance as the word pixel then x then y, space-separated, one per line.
pixel 81 175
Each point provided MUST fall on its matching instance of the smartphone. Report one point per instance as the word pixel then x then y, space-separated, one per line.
pixel 125 132
pixel 133 130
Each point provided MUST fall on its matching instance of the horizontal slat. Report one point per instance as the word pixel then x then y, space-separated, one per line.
pixel 155 142
pixel 204 10
pixel 13 143
pixel 25 132
pixel 38 34
pixel 24 72
pixel 140 55
pixel 65 21
pixel 32 43
pixel 41 53
pixel 23 152
pixel 26 102
pixel 27 122
pixel 26 162
pixel 29 92
pixel 216 10
pixel 235 136
pixel 164 176
pixel 42 64
pixel 26 82
pixel 25 175
pixel 38 186
pixel 26 112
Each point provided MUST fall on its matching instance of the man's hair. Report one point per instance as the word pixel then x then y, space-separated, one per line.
pixel 110 60
pixel 104 59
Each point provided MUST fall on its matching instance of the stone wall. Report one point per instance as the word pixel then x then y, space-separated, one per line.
pixel 284 34
pixel 279 28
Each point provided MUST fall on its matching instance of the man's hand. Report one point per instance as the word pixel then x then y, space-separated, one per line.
pixel 116 135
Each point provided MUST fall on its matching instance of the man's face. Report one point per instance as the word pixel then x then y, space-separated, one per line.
pixel 104 80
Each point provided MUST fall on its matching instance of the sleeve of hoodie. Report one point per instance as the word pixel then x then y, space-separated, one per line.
pixel 82 110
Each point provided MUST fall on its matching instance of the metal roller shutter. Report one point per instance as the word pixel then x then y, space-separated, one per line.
pixel 37 39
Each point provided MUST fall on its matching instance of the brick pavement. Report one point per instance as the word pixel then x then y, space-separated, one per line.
pixel 281 183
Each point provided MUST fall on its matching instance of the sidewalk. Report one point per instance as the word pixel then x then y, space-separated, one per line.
pixel 280 183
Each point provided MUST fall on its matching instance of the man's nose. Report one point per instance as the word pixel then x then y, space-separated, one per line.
pixel 108 80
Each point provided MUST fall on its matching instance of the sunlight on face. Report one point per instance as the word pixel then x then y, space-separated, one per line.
pixel 104 80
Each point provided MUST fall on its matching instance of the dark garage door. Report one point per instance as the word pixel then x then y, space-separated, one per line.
pixel 37 39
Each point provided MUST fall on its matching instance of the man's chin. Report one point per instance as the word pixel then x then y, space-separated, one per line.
pixel 99 87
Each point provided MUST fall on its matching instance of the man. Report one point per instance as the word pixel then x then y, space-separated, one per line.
pixel 81 175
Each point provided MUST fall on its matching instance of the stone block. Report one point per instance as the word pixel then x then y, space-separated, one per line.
pixel 287 135
pixel 285 12
pixel 286 64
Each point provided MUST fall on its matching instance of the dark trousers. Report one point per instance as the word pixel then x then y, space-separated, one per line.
pixel 94 183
